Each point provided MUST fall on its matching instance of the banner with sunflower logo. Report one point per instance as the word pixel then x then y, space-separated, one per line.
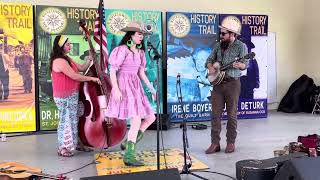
pixel 51 21
pixel 117 19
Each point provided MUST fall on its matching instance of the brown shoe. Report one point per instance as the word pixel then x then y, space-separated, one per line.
pixel 213 148
pixel 230 148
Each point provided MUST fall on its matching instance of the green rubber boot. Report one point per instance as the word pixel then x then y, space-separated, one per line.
pixel 129 158
pixel 124 143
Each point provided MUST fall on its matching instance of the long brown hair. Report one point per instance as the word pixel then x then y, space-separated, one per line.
pixel 127 37
pixel 58 52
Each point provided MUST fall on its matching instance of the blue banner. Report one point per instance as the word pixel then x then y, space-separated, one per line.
pixel 254 33
pixel 190 40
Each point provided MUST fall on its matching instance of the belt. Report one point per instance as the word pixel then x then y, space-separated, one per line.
pixel 228 79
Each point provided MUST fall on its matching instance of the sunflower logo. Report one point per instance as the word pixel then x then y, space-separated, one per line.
pixel 52 20
pixel 179 25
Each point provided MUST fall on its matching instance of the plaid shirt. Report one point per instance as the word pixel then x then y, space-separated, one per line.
pixel 236 49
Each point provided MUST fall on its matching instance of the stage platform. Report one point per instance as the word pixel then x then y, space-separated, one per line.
pixel 257 138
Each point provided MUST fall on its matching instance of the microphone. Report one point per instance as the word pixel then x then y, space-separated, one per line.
pixel 149 26
pixel 149 45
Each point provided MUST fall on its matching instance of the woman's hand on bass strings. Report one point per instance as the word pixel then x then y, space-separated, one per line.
pixel 96 80
pixel 89 58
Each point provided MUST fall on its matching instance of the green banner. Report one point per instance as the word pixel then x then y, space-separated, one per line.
pixel 64 20
pixel 50 22
pixel 118 19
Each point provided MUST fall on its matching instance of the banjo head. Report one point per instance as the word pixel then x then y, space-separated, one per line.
pixel 219 78
pixel 213 76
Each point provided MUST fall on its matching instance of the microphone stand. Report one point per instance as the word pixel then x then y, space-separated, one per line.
pixel 186 166
pixel 156 57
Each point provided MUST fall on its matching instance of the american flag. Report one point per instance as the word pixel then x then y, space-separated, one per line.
pixel 100 32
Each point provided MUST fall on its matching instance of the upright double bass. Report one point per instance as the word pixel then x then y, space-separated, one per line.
pixel 95 129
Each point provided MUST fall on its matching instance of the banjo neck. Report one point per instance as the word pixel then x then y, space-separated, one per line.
pixel 241 59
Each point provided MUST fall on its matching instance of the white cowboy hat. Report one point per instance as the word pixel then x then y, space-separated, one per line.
pixel 134 26
pixel 232 24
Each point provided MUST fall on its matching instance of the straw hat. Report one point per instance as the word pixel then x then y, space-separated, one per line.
pixel 134 26
pixel 232 24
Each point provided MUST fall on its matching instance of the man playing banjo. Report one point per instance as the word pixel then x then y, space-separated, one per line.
pixel 228 91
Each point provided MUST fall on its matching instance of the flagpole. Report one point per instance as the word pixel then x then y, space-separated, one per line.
pixel 101 6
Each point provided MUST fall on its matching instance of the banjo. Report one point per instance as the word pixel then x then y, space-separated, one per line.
pixel 217 77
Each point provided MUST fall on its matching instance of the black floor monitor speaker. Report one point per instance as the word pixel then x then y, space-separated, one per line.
pixel 300 169
pixel 165 123
pixel 165 174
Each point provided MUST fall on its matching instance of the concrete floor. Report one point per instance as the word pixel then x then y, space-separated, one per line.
pixel 257 138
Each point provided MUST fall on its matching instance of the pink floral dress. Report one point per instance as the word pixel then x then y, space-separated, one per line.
pixel 134 101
